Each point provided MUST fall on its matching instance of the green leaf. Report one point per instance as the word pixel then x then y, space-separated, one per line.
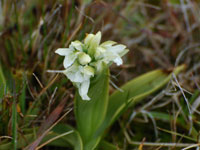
pixel 133 92
pixel 90 114
pixel 104 145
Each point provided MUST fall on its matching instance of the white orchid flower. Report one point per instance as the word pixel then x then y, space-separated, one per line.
pixel 80 76
pixel 113 53
pixel 84 60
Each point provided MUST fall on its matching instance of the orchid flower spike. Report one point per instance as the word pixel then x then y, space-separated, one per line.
pixel 84 60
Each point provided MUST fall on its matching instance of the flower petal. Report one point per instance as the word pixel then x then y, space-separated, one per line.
pixel 63 51
pixel 117 48
pixel 108 43
pixel 69 59
pixel 96 40
pixel 83 90
pixel 123 52
pixel 99 51
pixel 88 70
pixel 78 45
pixel 94 43
pixel 88 39
pixel 97 65
pixel 118 61
pixel 110 56
pixel 74 73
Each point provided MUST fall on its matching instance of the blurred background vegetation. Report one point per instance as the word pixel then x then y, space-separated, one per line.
pixel 158 33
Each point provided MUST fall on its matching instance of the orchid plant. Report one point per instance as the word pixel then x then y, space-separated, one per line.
pixel 86 66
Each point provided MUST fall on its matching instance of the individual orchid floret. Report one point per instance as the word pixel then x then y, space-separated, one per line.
pixel 84 60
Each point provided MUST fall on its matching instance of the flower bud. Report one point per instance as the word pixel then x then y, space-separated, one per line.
pixel 83 58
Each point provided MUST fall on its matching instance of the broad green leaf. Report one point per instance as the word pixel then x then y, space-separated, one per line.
pixel 90 114
pixel 133 92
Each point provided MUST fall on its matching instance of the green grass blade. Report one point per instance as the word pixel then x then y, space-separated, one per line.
pixel 22 98
pixel 14 125
pixel 2 83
